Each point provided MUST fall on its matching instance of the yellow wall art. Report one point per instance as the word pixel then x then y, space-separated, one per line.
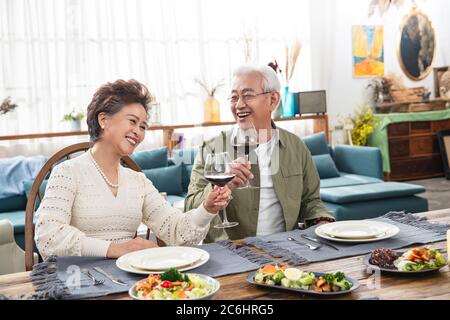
pixel 368 51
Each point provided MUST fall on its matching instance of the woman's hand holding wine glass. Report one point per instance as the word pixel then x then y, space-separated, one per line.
pixel 218 171
pixel 217 199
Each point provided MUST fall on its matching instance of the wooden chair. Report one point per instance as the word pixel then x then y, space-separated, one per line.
pixel 62 155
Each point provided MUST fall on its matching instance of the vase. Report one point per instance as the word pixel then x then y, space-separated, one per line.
pixel 290 103
pixel 75 125
pixel 211 110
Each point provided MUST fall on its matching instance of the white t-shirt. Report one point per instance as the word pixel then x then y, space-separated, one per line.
pixel 270 217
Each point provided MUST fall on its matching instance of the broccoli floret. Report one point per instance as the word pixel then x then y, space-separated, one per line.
pixel 173 275
pixel 343 284
pixel 339 276
pixel 338 280
pixel 329 278
pixel 277 277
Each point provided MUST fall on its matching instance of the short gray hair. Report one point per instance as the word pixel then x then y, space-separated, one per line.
pixel 272 83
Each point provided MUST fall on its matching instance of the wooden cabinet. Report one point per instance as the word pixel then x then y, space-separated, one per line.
pixel 414 150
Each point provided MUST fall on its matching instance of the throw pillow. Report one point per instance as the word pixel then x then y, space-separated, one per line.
pixel 317 143
pixel 166 179
pixel 150 159
pixel 325 166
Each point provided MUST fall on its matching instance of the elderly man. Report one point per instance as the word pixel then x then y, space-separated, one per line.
pixel 286 181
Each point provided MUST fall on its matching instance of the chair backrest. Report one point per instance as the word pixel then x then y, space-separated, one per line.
pixel 62 155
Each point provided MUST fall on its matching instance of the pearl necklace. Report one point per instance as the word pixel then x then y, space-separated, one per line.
pixel 112 185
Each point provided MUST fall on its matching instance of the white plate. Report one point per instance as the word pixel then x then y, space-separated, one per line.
pixel 211 281
pixel 124 264
pixel 389 232
pixel 355 229
pixel 164 258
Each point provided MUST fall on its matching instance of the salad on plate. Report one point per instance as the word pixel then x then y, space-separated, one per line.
pixel 172 285
pixel 414 260
pixel 293 278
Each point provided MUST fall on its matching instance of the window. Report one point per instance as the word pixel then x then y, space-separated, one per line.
pixel 54 53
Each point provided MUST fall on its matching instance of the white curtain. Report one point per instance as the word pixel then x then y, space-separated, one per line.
pixel 55 53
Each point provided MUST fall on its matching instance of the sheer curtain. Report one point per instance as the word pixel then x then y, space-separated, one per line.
pixel 55 53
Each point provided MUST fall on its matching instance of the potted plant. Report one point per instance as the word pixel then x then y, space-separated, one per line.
pixel 74 118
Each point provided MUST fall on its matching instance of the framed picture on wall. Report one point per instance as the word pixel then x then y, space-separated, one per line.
pixel 417 45
pixel 368 51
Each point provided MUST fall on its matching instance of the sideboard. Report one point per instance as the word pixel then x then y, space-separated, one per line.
pixel 409 144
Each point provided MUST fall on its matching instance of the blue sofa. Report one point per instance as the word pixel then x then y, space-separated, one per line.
pixel 351 182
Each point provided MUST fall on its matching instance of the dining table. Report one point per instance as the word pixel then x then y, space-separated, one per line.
pixel 376 286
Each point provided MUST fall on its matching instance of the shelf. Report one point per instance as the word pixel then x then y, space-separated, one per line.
pixel 320 124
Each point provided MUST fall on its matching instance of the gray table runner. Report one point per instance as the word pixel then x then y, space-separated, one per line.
pixel 60 277
pixel 413 230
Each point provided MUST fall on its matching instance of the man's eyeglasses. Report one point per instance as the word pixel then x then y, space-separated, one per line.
pixel 246 98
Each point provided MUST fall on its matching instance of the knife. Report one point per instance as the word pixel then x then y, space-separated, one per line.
pixel 110 277
pixel 318 241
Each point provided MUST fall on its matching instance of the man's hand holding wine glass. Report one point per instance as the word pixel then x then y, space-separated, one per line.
pixel 217 199
pixel 241 169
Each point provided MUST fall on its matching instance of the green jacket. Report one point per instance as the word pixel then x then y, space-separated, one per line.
pixel 296 184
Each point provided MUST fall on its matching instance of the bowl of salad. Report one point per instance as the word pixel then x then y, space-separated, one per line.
pixel 173 285
pixel 415 260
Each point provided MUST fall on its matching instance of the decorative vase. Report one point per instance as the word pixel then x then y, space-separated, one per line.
pixel 75 125
pixel 211 110
pixel 290 103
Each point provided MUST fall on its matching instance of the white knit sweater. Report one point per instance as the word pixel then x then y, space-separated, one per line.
pixel 79 214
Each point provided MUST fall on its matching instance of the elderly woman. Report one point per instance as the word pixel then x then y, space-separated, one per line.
pixel 93 205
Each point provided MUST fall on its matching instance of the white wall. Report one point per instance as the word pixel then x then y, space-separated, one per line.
pixel 331 36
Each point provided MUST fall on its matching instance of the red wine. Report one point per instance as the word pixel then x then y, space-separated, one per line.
pixel 220 180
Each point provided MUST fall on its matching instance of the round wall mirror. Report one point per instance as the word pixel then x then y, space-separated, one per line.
pixel 417 45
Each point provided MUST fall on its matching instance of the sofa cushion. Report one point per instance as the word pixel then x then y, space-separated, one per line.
pixel 317 143
pixel 150 159
pixel 347 179
pixel 27 187
pixel 13 203
pixel 371 191
pixel 376 208
pixel 29 183
pixel 166 179
pixel 325 166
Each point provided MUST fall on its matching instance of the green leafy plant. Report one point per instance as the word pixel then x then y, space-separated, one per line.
pixel 364 123
pixel 74 116
pixel 7 106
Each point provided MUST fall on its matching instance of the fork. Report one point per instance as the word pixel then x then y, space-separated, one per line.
pixel 95 281
pixel 110 277
pixel 310 246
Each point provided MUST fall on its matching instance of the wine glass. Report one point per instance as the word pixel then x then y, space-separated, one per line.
pixel 218 172
pixel 244 140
